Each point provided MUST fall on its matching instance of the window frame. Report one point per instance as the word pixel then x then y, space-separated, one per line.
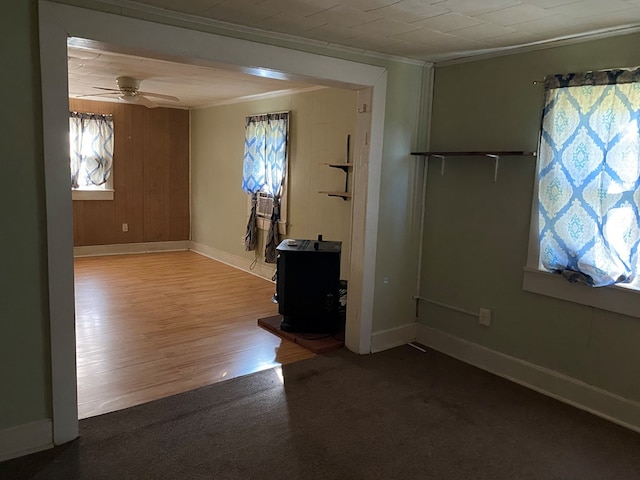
pixel 263 223
pixel 622 298
pixel 102 192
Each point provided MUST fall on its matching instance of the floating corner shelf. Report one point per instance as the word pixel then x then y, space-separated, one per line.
pixel 344 166
pixel 343 195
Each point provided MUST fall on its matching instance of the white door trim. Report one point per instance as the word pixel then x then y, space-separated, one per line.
pixel 125 34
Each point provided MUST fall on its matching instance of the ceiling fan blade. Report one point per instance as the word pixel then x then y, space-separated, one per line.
pixel 159 95
pixel 146 102
pixel 97 94
pixel 114 90
pixel 138 100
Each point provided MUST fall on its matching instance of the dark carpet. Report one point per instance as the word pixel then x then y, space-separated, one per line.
pixel 399 414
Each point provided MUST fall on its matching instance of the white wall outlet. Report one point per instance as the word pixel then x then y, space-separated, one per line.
pixel 485 317
pixel 125 227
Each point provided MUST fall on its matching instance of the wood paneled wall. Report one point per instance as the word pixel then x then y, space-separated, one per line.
pixel 150 175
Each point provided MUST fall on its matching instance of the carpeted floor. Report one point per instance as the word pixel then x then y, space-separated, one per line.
pixel 399 414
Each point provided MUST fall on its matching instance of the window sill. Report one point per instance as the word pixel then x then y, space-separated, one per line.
pixel 265 223
pixel 106 194
pixel 623 300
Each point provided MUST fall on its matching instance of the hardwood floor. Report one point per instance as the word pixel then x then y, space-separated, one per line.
pixel 157 324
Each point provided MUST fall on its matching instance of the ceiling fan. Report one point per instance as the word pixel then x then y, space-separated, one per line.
pixel 129 91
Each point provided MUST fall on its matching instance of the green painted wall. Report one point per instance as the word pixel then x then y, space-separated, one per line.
pixel 400 194
pixel 24 338
pixel 476 230
pixel 320 122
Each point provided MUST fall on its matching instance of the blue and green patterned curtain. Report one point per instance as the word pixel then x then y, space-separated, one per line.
pixel 91 148
pixel 589 171
pixel 264 169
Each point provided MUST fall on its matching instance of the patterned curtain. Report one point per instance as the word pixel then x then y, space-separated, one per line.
pixel 91 148
pixel 264 169
pixel 589 170
pixel 253 174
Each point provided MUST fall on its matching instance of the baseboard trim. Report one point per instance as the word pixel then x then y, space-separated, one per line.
pixel 612 407
pixel 129 248
pixel 393 337
pixel 25 439
pixel 244 264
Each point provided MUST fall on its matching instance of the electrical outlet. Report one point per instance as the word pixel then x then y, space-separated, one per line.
pixel 125 227
pixel 485 317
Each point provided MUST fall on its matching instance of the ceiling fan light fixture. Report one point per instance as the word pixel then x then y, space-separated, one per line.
pixel 128 91
pixel 128 85
pixel 128 98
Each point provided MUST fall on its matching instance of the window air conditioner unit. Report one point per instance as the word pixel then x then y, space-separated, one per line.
pixel 264 207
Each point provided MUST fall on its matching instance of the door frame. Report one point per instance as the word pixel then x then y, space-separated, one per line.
pixel 57 23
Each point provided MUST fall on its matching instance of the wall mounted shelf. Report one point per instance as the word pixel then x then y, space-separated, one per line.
pixel 344 166
pixel 343 195
pixel 495 154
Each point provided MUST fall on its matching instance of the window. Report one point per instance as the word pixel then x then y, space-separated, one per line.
pixel 585 223
pixel 264 174
pixel 91 155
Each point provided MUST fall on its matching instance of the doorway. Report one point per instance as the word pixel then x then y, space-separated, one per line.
pixel 150 175
pixel 57 22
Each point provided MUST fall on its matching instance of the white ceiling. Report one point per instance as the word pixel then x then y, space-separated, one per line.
pixel 195 86
pixel 425 30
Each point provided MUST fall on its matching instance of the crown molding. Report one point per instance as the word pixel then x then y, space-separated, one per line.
pixel 465 56
pixel 230 29
pixel 476 55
